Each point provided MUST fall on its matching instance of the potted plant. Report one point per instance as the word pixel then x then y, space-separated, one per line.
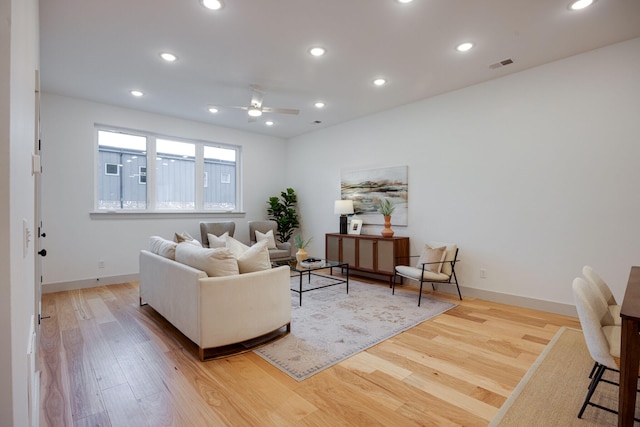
pixel 301 244
pixel 386 208
pixel 282 211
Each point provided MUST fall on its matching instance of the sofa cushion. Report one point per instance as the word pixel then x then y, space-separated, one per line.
pixel 216 262
pixel 163 247
pixel 268 237
pixel 218 241
pixel 250 258
pixel 432 255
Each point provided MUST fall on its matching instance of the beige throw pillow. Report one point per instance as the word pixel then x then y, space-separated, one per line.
pixel 218 241
pixel 215 262
pixel 268 236
pixel 250 258
pixel 162 247
pixel 432 255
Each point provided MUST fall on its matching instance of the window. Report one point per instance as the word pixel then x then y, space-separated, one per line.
pixel 180 180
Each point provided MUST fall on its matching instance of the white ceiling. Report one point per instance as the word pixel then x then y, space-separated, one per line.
pixel 99 50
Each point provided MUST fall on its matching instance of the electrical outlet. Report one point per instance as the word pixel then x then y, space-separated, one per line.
pixel 483 273
pixel 101 264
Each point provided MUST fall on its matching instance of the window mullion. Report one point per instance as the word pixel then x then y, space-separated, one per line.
pixel 199 170
pixel 152 165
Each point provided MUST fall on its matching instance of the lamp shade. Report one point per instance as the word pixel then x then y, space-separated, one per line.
pixel 343 207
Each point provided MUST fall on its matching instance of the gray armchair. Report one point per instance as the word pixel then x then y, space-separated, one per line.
pixel 215 228
pixel 282 250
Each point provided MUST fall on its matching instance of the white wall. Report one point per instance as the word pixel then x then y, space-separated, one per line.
pixel 75 242
pixel 19 60
pixel 533 175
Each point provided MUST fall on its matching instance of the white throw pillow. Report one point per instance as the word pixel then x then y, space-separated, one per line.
pixel 218 241
pixel 268 236
pixel 250 258
pixel 162 247
pixel 432 255
pixel 215 262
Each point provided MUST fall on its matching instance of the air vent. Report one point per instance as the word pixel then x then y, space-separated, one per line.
pixel 501 63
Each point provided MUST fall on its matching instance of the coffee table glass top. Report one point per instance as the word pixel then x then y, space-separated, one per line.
pixel 301 267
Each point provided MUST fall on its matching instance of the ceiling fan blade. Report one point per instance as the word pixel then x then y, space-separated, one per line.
pixel 280 110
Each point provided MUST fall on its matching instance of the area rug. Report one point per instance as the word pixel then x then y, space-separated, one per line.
pixel 552 391
pixel 332 325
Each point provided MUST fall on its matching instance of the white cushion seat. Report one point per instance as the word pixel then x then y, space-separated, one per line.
pixel 417 274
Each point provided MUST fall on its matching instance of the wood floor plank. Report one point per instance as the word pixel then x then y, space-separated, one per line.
pixel 110 361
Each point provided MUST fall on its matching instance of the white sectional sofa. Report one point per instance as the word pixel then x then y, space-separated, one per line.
pixel 215 311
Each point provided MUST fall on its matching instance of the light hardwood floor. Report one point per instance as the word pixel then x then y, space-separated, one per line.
pixel 106 361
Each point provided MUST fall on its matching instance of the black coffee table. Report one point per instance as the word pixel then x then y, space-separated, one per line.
pixel 298 268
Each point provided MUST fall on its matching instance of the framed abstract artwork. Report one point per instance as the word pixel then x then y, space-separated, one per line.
pixel 366 188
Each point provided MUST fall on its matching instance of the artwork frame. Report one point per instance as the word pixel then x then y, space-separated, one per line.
pixel 367 187
pixel 355 226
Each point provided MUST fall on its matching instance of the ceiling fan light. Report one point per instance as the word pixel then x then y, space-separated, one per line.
pixel 254 112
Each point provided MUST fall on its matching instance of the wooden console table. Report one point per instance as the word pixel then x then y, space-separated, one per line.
pixel 368 253
pixel 629 349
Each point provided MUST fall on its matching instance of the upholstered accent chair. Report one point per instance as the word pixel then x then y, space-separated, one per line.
pixel 268 230
pixel 602 287
pixel 435 265
pixel 601 335
pixel 215 228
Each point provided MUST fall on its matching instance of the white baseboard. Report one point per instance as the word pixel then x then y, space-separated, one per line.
pixel 48 288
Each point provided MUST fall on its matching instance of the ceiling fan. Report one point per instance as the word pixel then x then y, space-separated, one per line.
pixel 255 108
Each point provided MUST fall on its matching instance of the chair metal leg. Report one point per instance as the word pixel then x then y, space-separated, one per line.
pixel 593 370
pixel 592 388
pixel 393 285
pixel 457 286
pixel 420 294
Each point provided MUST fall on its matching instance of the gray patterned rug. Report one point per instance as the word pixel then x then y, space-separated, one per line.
pixel 332 326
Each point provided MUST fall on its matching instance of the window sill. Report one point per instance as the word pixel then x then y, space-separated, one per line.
pixel 163 214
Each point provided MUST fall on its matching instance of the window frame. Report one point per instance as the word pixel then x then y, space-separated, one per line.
pixel 151 179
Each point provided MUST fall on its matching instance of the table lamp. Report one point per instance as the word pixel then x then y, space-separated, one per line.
pixel 343 208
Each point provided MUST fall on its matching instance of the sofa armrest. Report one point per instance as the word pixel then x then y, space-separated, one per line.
pixel 237 308
pixel 172 289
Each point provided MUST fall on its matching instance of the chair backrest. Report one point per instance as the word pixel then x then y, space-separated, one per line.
pixel 595 279
pixel 215 228
pixel 451 254
pixel 591 311
pixel 263 227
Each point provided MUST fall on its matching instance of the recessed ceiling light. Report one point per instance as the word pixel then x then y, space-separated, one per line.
pixel 319 104
pixel 380 82
pixel 269 123
pixel 212 4
pixel 213 110
pixel 404 1
pixel 317 51
pixel 580 4
pixel 463 47
pixel 169 57
pixel 136 93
